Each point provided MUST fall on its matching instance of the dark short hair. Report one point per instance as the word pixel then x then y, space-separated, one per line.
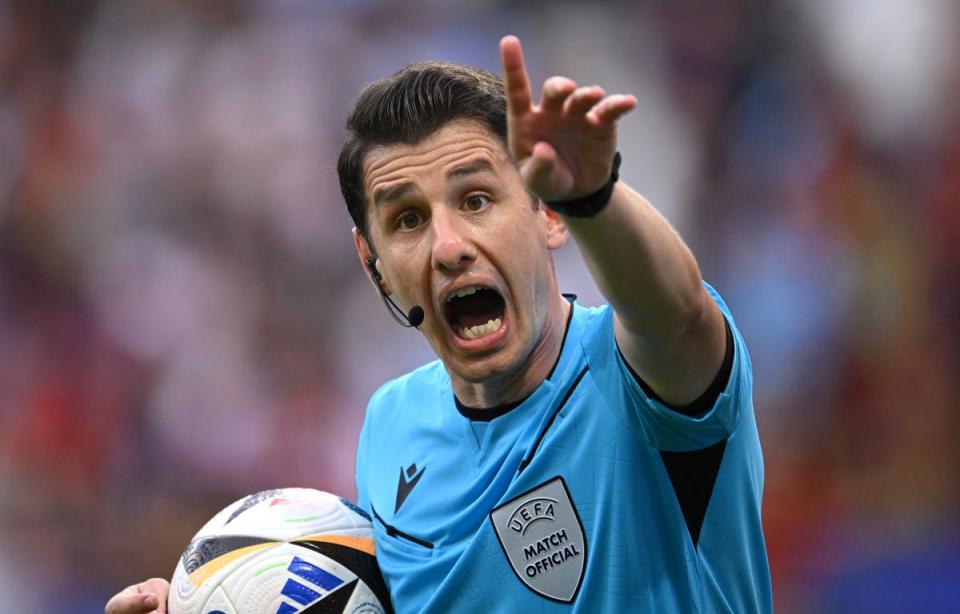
pixel 409 106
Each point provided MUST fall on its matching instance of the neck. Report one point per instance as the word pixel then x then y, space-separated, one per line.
pixel 522 381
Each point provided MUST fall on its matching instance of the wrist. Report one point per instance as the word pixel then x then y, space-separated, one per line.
pixel 593 203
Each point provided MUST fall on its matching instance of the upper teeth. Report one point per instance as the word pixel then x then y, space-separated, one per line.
pixel 464 292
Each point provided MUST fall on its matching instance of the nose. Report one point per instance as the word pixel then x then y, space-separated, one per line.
pixel 453 248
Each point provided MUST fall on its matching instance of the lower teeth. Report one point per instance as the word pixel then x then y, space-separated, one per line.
pixel 480 330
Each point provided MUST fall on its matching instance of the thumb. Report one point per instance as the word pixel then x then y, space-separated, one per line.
pixel 142 598
pixel 545 174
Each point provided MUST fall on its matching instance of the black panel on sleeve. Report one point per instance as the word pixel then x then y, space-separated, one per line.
pixel 705 401
pixel 693 475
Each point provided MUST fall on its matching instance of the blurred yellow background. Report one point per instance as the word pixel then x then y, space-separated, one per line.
pixel 183 319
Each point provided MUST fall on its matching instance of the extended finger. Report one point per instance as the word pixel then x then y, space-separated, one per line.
pixel 519 98
pixel 583 99
pixel 555 92
pixel 612 108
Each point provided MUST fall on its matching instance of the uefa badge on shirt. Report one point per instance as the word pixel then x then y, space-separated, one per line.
pixel 542 536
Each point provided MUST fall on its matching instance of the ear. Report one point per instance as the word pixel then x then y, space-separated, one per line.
pixel 369 262
pixel 556 228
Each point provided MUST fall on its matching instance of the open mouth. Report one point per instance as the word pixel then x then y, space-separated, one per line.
pixel 475 312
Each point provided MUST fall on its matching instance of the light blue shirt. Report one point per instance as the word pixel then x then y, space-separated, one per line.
pixel 566 503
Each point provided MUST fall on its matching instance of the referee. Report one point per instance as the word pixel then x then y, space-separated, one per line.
pixel 556 458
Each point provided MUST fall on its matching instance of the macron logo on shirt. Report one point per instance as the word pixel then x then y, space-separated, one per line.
pixel 407 481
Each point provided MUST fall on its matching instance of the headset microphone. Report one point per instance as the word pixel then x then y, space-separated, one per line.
pixel 415 316
pixel 411 319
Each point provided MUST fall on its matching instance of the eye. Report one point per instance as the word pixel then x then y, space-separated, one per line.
pixel 476 202
pixel 408 220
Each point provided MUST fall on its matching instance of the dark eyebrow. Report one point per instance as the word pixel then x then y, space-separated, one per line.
pixel 480 165
pixel 401 191
pixel 397 192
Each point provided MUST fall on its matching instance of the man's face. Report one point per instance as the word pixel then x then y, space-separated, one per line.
pixel 456 232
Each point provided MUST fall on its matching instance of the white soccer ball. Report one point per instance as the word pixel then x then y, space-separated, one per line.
pixel 286 551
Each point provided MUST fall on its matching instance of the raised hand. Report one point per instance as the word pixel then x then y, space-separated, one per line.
pixel 143 598
pixel 564 145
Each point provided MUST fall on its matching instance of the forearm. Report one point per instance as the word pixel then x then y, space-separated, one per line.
pixel 668 328
pixel 641 265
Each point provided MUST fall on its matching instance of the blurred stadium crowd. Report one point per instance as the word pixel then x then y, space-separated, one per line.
pixel 183 318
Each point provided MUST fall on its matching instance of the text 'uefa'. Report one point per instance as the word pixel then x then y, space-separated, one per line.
pixel 534 509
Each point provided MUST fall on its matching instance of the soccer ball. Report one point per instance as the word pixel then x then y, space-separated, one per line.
pixel 286 551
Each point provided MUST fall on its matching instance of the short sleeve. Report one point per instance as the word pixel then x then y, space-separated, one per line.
pixel 655 423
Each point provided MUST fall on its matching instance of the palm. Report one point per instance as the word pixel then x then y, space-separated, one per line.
pixel 564 145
